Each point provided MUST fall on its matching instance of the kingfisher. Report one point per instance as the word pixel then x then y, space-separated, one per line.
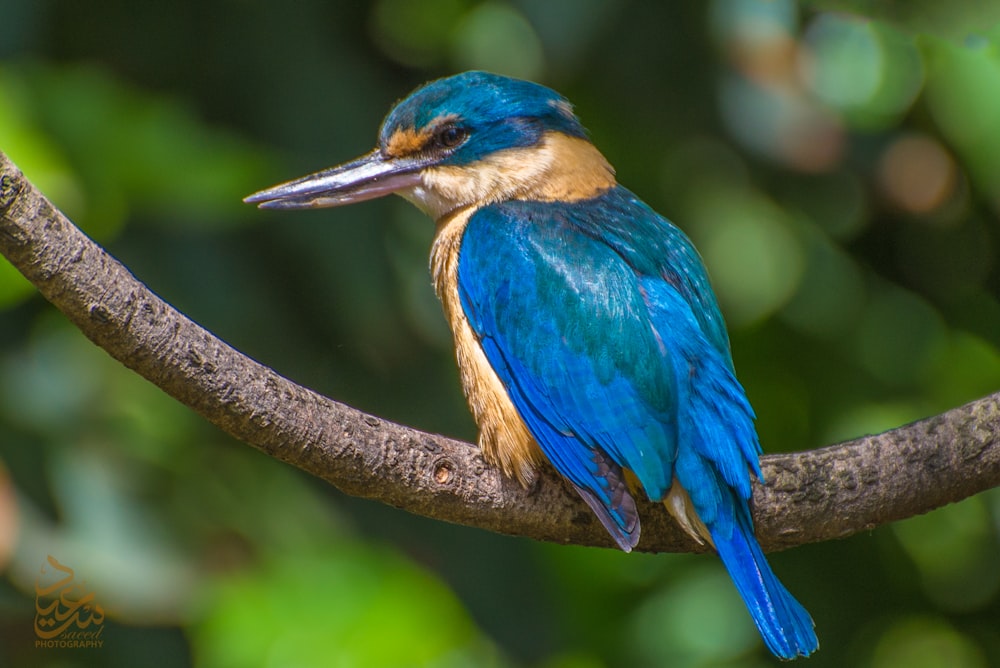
pixel 586 331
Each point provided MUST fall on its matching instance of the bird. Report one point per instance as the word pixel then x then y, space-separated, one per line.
pixel 586 330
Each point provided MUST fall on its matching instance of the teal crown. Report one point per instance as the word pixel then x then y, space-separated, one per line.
pixel 491 112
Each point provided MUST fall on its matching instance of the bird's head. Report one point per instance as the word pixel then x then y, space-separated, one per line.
pixel 469 139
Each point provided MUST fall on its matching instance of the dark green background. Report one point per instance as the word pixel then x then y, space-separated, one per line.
pixel 841 177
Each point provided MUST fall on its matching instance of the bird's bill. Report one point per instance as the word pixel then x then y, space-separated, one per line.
pixel 370 176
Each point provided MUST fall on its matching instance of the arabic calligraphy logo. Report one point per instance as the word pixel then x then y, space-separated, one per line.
pixel 65 612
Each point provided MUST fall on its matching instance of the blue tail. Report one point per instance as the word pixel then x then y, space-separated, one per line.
pixel 716 424
pixel 784 624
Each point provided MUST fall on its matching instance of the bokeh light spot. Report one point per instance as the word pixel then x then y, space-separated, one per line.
pixel 865 70
pixel 757 23
pixel 754 256
pixel 698 621
pixel 847 65
pixel 497 38
pixel 917 174
pixel 778 122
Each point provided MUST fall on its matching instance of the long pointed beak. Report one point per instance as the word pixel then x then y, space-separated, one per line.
pixel 368 177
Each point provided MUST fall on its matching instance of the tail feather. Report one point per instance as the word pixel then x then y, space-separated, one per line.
pixel 714 468
pixel 784 624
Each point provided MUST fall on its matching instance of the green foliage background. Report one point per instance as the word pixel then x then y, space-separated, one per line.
pixel 838 164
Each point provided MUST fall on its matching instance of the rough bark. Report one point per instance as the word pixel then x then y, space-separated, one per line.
pixel 810 496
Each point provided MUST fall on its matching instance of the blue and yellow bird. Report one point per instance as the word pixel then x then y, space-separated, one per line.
pixel 585 327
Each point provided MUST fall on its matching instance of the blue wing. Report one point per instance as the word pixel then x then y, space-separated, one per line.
pixel 589 315
pixel 599 320
pixel 579 310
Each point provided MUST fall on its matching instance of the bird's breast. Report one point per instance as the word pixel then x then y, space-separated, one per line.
pixel 503 436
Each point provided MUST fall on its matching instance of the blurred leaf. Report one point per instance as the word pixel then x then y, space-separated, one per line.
pixel 496 37
pixel 40 160
pixel 348 605
pixel 956 20
pixel 415 33
pixel 133 150
pixel 573 661
pixel 14 288
pixel 963 93
pixel 27 144
pixel 752 249
pixel 899 335
pixel 871 417
pixel 968 367
pixel 922 642
pixel 955 549
pixel 105 529
pixel 51 384
pixel 867 70
pixel 697 621
pixel 831 296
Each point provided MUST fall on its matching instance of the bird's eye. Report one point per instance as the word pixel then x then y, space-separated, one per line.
pixel 450 136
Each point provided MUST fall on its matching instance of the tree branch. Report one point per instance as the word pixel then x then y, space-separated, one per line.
pixel 810 496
